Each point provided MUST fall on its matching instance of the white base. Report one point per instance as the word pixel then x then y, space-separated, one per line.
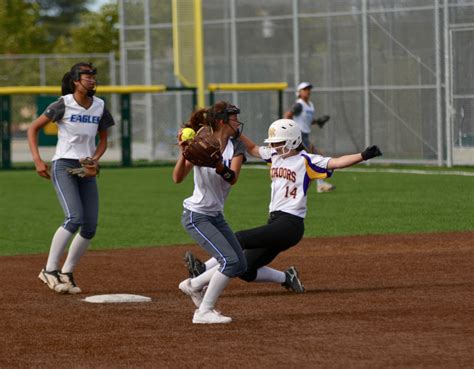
pixel 116 298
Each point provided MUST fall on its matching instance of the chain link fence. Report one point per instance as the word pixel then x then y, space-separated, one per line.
pixel 397 73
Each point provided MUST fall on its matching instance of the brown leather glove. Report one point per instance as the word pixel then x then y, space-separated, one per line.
pixel 204 149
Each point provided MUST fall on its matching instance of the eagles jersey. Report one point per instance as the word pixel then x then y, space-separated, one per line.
pixel 305 117
pixel 291 178
pixel 77 126
pixel 210 189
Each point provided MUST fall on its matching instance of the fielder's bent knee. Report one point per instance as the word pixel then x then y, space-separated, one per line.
pixel 72 227
pixel 88 235
pixel 235 269
pixel 88 231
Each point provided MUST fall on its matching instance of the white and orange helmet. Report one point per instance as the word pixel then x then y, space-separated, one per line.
pixel 287 131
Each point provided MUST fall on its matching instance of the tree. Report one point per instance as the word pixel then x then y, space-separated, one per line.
pixel 21 30
pixel 58 16
pixel 94 33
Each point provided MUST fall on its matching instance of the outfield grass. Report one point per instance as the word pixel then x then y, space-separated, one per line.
pixel 142 207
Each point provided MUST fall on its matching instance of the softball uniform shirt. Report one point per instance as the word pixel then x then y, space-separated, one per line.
pixel 77 126
pixel 210 189
pixel 305 117
pixel 291 178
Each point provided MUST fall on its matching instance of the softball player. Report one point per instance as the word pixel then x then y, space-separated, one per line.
pixel 303 113
pixel 292 170
pixel 80 116
pixel 203 212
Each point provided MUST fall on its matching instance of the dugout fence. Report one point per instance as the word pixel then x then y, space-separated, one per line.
pixel 138 141
pixel 124 121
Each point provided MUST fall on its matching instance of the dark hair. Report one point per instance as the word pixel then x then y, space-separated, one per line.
pixel 209 116
pixel 74 74
pixel 301 147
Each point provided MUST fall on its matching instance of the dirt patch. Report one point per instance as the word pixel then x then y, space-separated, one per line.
pixel 399 301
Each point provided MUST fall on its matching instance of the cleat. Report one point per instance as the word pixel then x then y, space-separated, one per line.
pixel 210 317
pixel 325 187
pixel 68 284
pixel 194 265
pixel 52 280
pixel 196 295
pixel 293 282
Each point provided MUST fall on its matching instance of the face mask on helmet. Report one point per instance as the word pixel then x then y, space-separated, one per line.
pixel 286 131
pixel 88 72
pixel 240 128
pixel 225 116
pixel 228 110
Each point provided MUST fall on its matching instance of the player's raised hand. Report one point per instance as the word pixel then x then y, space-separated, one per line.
pixel 371 152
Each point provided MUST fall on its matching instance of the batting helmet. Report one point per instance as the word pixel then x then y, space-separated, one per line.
pixel 284 130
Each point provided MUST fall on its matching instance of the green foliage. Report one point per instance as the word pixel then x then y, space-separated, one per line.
pixel 20 28
pixel 58 16
pixel 142 207
pixel 55 26
pixel 94 32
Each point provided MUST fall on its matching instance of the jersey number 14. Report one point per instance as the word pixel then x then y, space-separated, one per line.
pixel 291 193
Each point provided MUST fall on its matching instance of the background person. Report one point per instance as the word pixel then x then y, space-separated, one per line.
pixel 80 117
pixel 303 113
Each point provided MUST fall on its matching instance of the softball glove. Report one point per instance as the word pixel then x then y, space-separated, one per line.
pixel 321 121
pixel 204 149
pixel 89 168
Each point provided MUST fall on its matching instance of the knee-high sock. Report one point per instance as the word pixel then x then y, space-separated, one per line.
pixel 211 263
pixel 267 274
pixel 78 246
pixel 58 245
pixel 203 280
pixel 217 284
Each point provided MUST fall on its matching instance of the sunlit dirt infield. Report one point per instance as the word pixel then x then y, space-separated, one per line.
pixel 397 301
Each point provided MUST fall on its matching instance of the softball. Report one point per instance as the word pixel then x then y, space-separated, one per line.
pixel 187 134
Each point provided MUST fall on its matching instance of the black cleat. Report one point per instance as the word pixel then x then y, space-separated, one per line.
pixel 293 282
pixel 194 265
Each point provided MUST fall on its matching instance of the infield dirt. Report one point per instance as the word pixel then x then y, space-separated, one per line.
pixel 397 301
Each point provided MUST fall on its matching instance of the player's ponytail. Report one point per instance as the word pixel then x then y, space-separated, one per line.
pixel 67 84
pixel 197 119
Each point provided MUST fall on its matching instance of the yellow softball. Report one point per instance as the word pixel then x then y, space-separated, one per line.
pixel 187 134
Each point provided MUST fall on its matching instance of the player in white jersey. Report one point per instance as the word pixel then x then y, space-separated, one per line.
pixel 80 117
pixel 292 171
pixel 303 113
pixel 203 212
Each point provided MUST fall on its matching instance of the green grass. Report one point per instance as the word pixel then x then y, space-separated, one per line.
pixel 142 207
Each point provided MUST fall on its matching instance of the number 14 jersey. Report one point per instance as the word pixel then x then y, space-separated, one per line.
pixel 291 178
